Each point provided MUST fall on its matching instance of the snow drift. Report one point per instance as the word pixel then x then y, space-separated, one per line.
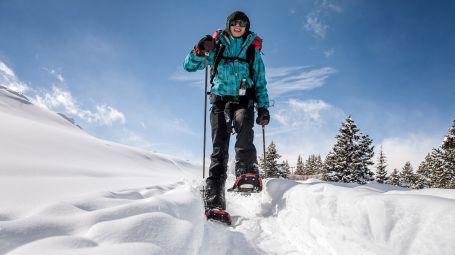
pixel 63 191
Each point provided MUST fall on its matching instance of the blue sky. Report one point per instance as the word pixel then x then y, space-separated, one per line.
pixel 116 68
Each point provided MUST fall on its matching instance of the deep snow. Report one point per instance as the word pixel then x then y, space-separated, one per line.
pixel 63 191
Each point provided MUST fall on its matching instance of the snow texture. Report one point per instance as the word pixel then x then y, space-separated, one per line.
pixel 65 192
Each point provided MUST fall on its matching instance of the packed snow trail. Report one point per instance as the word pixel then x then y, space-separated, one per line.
pixel 287 218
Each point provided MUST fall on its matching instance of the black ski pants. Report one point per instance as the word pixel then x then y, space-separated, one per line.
pixel 225 114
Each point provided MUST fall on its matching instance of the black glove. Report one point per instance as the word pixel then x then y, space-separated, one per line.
pixel 204 45
pixel 263 117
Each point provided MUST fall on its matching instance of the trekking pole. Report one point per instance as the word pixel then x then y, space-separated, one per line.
pixel 205 111
pixel 263 143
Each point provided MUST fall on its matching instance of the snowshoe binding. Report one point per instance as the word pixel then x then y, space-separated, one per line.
pixel 247 183
pixel 218 215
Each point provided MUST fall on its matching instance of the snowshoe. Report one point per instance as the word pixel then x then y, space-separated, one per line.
pixel 247 183
pixel 218 215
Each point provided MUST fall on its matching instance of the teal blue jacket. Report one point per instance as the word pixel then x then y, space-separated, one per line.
pixel 230 73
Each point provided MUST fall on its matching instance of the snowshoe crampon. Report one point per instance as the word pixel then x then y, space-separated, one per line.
pixel 218 215
pixel 249 183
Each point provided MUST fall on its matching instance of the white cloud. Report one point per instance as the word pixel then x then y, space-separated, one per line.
pixel 315 25
pixel 56 74
pixel 412 148
pixel 106 115
pixel 329 52
pixel 296 112
pixel 331 5
pixel 9 80
pixel 315 21
pixel 59 99
pixel 303 127
pixel 292 79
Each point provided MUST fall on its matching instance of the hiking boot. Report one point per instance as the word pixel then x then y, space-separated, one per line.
pixel 214 194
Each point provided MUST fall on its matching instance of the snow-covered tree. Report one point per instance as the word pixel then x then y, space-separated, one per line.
pixel 441 164
pixel 313 165
pixel 407 177
pixel 448 159
pixel 299 166
pixel 285 169
pixel 363 160
pixel 271 166
pixel 423 173
pixel 350 157
pixel 394 178
pixel 381 168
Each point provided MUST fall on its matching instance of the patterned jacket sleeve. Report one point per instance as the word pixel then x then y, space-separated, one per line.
pixel 259 79
pixel 193 62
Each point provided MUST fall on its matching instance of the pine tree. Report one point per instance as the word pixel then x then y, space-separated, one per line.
pixel 442 165
pixel 448 157
pixel 262 166
pixel 313 165
pixel 272 169
pixel 285 169
pixel 394 178
pixel 327 173
pixel 423 173
pixel 318 166
pixel 381 172
pixel 407 178
pixel 350 157
pixel 299 166
pixel 366 153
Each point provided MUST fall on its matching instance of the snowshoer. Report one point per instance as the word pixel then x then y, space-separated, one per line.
pixel 238 82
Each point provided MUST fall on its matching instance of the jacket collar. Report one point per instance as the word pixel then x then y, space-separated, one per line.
pixel 225 39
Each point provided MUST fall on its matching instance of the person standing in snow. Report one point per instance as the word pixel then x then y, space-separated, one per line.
pixel 237 84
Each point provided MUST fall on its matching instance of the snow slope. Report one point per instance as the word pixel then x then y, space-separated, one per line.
pixel 65 192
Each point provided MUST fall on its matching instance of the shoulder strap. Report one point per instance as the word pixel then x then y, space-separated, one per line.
pixel 218 56
pixel 250 53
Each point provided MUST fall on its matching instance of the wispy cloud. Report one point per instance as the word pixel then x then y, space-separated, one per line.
pixel 316 20
pixel 196 79
pixel 304 127
pixel 280 80
pixel 56 74
pixel 315 25
pixel 329 52
pixel 292 79
pixel 9 80
pixel 59 99
pixel 296 113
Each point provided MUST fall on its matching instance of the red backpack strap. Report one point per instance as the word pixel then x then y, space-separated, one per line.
pixel 257 42
pixel 216 34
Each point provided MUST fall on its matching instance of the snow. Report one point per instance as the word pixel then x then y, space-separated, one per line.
pixel 63 191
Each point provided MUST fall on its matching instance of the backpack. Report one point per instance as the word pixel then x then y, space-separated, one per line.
pixel 219 47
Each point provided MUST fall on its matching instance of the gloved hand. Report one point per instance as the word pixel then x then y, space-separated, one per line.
pixel 263 116
pixel 206 44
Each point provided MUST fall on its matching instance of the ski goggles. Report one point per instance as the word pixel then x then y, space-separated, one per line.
pixel 241 23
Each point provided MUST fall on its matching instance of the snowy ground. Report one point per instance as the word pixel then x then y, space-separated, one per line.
pixel 65 192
